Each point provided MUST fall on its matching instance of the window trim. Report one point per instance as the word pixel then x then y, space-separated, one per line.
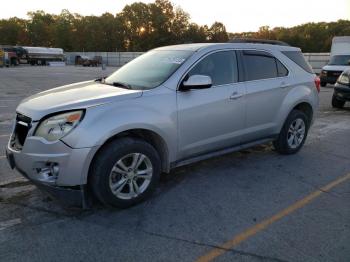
pixel 240 76
pixel 278 61
pixel 269 54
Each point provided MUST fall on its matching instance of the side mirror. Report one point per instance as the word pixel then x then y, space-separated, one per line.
pixel 196 82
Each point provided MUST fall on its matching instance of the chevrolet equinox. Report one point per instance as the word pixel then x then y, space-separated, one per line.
pixel 111 138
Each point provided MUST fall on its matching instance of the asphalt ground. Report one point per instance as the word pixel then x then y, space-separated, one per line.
pixel 252 205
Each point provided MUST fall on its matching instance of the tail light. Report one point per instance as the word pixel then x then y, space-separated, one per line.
pixel 318 83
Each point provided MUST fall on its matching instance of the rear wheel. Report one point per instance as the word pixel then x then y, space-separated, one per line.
pixel 293 133
pixel 337 103
pixel 125 172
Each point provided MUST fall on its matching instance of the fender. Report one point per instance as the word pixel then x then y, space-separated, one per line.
pixel 111 119
pixel 102 122
pixel 297 95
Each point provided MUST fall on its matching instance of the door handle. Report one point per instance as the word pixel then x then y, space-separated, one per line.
pixel 284 84
pixel 235 95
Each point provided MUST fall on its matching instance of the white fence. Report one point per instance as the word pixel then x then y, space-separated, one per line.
pixel 108 58
pixel 317 60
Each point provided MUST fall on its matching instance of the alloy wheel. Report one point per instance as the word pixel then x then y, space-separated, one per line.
pixel 296 133
pixel 130 176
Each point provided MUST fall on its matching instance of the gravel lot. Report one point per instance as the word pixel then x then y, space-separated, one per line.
pixel 253 205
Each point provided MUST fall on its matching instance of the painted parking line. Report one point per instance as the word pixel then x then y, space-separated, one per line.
pixel 4 135
pixel 218 251
pixel 1 157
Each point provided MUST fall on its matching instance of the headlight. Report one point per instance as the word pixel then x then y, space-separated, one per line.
pixel 344 79
pixel 323 72
pixel 56 127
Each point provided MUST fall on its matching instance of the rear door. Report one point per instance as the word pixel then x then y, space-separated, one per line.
pixel 267 84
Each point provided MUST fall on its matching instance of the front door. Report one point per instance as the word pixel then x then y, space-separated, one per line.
pixel 213 118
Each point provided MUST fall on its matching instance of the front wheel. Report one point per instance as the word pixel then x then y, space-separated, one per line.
pixel 293 133
pixel 323 84
pixel 337 103
pixel 125 172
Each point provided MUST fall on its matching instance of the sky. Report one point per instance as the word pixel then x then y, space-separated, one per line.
pixel 237 15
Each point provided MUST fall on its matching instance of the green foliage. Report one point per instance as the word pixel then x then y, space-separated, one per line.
pixel 217 33
pixel 140 27
pixel 13 31
pixel 310 37
pixel 40 28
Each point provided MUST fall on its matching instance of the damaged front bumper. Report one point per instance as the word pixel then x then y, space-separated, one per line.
pixel 53 167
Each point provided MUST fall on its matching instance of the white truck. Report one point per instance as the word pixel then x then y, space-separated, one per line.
pixel 339 60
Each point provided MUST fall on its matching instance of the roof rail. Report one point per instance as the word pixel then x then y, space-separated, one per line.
pixel 257 41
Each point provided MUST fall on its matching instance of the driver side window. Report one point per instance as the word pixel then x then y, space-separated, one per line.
pixel 220 66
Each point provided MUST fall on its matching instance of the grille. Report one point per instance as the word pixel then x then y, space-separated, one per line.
pixel 334 73
pixel 22 127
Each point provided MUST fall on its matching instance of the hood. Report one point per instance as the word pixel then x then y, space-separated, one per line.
pixel 74 96
pixel 335 67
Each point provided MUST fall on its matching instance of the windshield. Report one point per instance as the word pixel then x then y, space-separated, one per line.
pixel 340 60
pixel 149 70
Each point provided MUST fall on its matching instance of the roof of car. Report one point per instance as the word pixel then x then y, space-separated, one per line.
pixel 201 46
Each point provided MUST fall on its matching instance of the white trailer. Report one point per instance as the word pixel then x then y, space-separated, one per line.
pixel 340 45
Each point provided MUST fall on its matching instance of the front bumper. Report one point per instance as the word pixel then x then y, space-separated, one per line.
pixel 328 79
pixel 342 92
pixel 54 167
pixel 329 76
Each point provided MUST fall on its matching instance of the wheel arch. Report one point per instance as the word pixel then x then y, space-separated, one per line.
pixel 150 136
pixel 307 109
pixel 301 97
pixel 304 106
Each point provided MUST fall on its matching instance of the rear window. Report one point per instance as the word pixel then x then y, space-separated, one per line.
pixel 260 67
pixel 298 58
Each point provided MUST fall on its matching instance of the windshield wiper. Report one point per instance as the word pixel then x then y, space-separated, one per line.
pixel 101 79
pixel 116 84
pixel 121 84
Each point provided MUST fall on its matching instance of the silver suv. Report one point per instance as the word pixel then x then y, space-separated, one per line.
pixel 112 138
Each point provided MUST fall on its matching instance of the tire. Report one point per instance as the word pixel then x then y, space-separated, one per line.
pixel 119 155
pixel 337 103
pixel 282 144
pixel 323 84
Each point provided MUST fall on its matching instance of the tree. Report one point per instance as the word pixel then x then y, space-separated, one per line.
pixel 217 33
pixel 140 27
pixel 195 34
pixel 135 19
pixel 62 30
pixel 40 28
pixel 13 31
pixel 113 33
pixel 310 37
pixel 180 25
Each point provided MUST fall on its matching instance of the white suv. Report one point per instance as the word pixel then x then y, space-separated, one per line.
pixel 113 137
